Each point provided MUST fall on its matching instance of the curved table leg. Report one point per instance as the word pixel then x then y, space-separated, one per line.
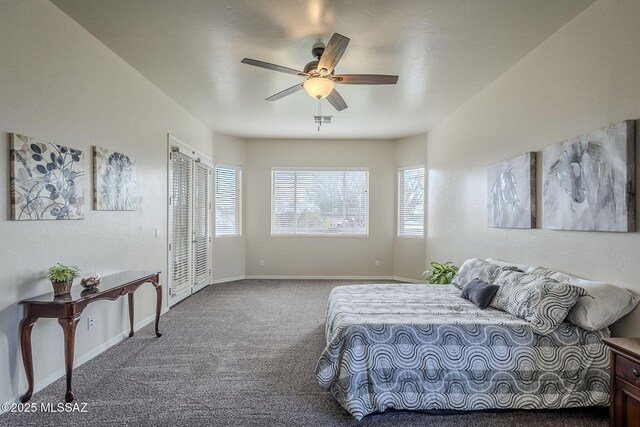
pixel 130 295
pixel 69 327
pixel 27 359
pixel 158 287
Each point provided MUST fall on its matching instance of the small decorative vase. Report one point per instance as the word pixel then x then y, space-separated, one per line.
pixel 91 281
pixel 62 288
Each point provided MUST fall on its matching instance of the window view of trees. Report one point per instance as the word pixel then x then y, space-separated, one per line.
pixel 411 202
pixel 227 187
pixel 320 202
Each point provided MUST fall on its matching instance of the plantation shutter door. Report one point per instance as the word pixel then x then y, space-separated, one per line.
pixel 202 226
pixel 180 240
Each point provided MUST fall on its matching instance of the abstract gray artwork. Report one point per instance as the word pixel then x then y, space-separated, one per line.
pixel 589 181
pixel 511 198
pixel 115 181
pixel 47 180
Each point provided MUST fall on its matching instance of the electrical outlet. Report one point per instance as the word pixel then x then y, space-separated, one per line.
pixel 377 263
pixel 91 321
pixel 261 263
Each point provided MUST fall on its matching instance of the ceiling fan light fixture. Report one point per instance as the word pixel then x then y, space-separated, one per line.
pixel 319 87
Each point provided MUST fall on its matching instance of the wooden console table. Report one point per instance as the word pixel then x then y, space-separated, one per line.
pixel 68 308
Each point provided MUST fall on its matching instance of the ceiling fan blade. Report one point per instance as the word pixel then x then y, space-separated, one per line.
pixel 365 79
pixel 333 52
pixel 336 100
pixel 270 66
pixel 285 92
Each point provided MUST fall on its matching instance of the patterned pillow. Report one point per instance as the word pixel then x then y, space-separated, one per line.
pixel 541 301
pixel 475 269
pixel 602 305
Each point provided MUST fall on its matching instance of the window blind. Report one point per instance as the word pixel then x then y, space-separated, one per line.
pixel 227 184
pixel 411 202
pixel 320 202
pixel 180 211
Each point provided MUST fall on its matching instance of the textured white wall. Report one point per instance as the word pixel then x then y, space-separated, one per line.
pixel 582 78
pixel 409 254
pixel 319 256
pixel 229 252
pixel 59 84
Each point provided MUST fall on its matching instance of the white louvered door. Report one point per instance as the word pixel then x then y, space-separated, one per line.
pixel 190 241
pixel 202 226
pixel 180 228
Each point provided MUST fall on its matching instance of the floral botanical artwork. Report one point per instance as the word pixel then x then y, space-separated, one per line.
pixel 47 180
pixel 589 181
pixel 511 198
pixel 115 181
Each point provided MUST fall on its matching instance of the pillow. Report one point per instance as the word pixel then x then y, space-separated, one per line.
pixel 499 262
pixel 480 293
pixel 541 301
pixel 603 305
pixel 475 269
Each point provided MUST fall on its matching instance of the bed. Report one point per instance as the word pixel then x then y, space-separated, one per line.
pixel 422 347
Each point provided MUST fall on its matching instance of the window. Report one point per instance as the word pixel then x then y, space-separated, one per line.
pixel 320 202
pixel 411 202
pixel 228 179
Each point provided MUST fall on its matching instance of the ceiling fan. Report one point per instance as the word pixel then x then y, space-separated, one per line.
pixel 319 74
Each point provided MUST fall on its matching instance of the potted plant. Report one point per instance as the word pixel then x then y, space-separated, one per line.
pixel 61 277
pixel 440 273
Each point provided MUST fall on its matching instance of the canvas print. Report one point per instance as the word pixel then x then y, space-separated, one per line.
pixel 47 180
pixel 115 179
pixel 589 181
pixel 511 194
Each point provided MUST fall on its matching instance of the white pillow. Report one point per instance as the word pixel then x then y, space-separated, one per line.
pixel 603 306
pixel 502 263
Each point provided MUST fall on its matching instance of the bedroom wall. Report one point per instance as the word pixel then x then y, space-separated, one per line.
pixel 319 256
pixel 229 252
pixel 59 84
pixel 409 254
pixel 582 78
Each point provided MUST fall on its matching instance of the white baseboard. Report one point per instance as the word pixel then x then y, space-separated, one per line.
pixel 227 279
pixel 278 277
pixel 78 361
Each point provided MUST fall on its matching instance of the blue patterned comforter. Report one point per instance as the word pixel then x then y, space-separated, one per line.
pixel 422 347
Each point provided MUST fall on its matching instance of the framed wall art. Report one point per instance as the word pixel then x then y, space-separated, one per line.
pixel 511 192
pixel 115 181
pixel 47 180
pixel 589 181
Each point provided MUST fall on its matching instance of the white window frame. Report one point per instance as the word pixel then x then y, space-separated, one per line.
pixel 238 170
pixel 320 235
pixel 400 197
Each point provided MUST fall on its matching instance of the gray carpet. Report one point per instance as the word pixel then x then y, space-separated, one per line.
pixel 239 354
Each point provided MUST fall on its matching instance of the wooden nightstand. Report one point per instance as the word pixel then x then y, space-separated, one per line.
pixel 624 406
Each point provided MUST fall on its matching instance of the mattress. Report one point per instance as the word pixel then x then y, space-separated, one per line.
pixel 422 347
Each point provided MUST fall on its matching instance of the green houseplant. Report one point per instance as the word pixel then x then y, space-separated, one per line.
pixel 61 277
pixel 440 273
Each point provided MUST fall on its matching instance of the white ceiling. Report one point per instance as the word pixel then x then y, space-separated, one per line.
pixel 445 51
